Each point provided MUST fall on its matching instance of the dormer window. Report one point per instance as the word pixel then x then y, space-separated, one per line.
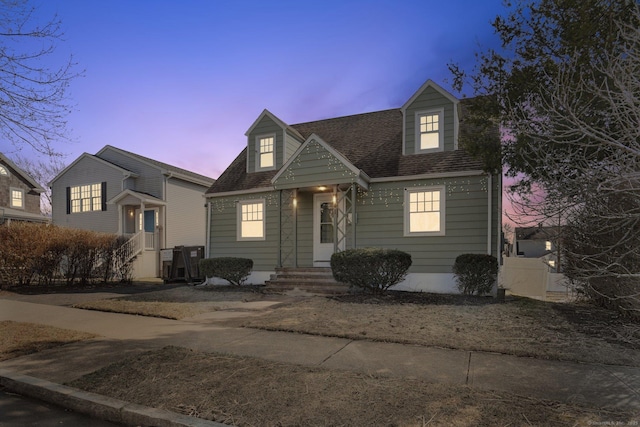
pixel 429 132
pixel 266 151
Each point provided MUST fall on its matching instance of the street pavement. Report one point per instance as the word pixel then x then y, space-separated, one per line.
pixel 121 335
pixel 20 411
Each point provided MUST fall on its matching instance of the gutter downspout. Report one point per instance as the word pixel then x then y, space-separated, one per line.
pixel 208 229
pixel 167 176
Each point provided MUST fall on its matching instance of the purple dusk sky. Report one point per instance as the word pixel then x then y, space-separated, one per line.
pixel 181 81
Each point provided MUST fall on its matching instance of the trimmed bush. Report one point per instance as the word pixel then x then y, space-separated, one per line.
pixel 372 269
pixel 234 270
pixel 475 273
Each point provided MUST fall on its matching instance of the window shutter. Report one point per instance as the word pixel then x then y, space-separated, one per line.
pixel 68 200
pixel 104 196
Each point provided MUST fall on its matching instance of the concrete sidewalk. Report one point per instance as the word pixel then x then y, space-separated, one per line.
pixel 122 335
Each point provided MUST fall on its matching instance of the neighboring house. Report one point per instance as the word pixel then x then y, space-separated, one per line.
pixel 115 191
pixel 532 269
pixel 19 194
pixel 538 242
pixel 394 179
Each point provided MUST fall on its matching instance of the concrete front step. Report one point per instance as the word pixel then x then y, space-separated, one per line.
pixel 310 279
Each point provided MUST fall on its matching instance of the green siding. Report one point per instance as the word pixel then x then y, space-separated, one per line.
pixel 291 145
pixel 314 166
pixel 380 214
pixel 429 99
pixel 265 126
pixel 305 229
pixel 223 236
pixel 380 222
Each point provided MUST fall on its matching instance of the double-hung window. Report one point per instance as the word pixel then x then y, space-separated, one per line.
pixel 86 198
pixel 266 151
pixel 429 131
pixel 251 220
pixel 424 211
pixel 17 198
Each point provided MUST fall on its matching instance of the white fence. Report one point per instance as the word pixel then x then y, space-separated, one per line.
pixel 530 277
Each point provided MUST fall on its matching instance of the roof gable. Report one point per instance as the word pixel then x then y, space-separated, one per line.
pixel 83 156
pixel 164 168
pixel 269 114
pixel 316 161
pixel 25 176
pixel 429 84
pixel 131 196
pixel 371 143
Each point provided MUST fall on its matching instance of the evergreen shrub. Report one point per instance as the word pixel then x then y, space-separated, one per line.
pixel 475 273
pixel 234 270
pixel 371 269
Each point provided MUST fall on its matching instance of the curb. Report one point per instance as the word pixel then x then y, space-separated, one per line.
pixel 97 406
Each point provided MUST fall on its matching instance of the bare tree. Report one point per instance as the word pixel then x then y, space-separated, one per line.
pixel 591 116
pixel 34 104
pixel 43 172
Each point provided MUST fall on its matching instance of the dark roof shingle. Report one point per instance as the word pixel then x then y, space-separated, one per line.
pixel 372 142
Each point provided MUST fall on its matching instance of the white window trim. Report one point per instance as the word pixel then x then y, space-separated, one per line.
pixel 257 149
pixel 440 113
pixel 11 204
pixel 239 220
pixel 90 198
pixel 407 191
pixel 3 171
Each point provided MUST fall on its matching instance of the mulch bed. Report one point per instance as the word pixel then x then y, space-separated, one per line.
pixel 404 297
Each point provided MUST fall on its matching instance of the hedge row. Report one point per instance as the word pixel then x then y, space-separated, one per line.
pixel 44 254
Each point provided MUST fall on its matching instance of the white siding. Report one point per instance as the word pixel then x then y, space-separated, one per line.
pixel 87 171
pixel 186 214
pixel 150 178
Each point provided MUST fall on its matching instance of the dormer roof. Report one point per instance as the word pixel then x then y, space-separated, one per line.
pixel 25 176
pixel 371 142
pixel 430 84
pixel 283 125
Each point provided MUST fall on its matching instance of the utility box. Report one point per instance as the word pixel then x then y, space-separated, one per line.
pixel 182 263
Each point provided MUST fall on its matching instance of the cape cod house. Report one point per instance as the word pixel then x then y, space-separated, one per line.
pixel 394 179
pixel 115 191
pixel 19 194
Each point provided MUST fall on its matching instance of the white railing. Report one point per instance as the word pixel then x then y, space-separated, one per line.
pixel 128 250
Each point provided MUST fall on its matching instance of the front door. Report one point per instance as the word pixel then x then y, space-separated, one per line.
pixel 324 234
pixel 147 223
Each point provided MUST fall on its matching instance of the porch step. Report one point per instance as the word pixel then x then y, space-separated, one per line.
pixel 317 280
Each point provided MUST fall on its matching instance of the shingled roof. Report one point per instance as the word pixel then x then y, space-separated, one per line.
pixel 371 141
pixel 183 173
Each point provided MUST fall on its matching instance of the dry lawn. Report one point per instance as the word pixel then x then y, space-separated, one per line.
pixel 19 339
pixel 178 303
pixel 521 327
pixel 252 392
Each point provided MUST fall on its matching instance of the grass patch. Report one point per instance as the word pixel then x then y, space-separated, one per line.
pixel 167 310
pixel 19 338
pixel 520 327
pixel 252 392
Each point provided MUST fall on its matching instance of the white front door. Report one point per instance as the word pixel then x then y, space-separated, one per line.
pixel 324 212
